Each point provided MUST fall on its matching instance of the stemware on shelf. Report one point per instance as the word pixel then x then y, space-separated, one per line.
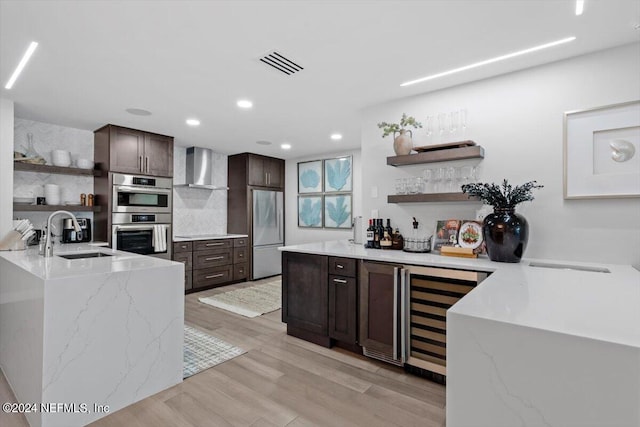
pixel 429 127
pixel 401 187
pixel 438 176
pixel 463 122
pixel 427 176
pixel 449 174
pixel 453 122
pixel 465 172
pixel 442 125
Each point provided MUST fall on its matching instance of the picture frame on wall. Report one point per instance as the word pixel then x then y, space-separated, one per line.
pixel 310 177
pixel 338 175
pixel 338 211
pixel 602 152
pixel 310 211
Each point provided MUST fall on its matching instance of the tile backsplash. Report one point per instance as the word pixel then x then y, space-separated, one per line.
pixel 198 211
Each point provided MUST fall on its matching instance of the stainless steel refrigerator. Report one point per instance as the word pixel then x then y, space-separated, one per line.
pixel 268 232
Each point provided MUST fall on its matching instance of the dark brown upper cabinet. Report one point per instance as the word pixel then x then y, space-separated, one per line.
pixel 265 171
pixel 124 150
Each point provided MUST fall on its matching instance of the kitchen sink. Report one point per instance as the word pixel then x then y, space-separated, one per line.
pixel 84 255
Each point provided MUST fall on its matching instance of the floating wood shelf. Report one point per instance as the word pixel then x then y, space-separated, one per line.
pixel 473 152
pixel 432 197
pixel 18 207
pixel 28 167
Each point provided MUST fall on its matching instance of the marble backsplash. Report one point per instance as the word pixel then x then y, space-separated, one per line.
pixel 198 211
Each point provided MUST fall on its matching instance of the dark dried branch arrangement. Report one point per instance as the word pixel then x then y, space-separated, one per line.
pixel 501 196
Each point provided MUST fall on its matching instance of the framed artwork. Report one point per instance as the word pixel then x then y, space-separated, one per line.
pixel 338 175
pixel 337 211
pixel 310 211
pixel 602 152
pixel 310 177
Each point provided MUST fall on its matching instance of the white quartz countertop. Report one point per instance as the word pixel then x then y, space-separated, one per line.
pixel 56 267
pixel 601 306
pixel 208 237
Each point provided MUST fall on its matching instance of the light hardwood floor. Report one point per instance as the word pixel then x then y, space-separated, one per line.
pixel 280 381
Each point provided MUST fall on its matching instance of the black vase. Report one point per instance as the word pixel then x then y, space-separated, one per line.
pixel 506 234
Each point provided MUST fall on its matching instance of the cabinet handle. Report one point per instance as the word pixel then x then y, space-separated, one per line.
pixel 214 244
pixel 339 266
pixel 339 281
pixel 140 163
pixel 240 254
pixel 183 246
pixel 214 258
pixel 146 160
pixel 396 273
pixel 214 276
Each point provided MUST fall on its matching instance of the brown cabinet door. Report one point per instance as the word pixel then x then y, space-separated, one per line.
pixel 184 257
pixel 212 276
pixel 212 258
pixel 256 174
pixel 158 155
pixel 240 271
pixel 305 292
pixel 376 309
pixel 343 309
pixel 239 255
pixel 182 247
pixel 126 148
pixel 274 172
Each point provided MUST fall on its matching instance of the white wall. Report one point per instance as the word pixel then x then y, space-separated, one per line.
pixel 518 119
pixel 6 165
pixel 197 211
pixel 295 235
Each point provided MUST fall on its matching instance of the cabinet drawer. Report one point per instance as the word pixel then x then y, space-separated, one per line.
pixel 211 276
pixel 184 257
pixel 203 245
pixel 188 280
pixel 240 271
pixel 237 243
pixel 212 258
pixel 182 247
pixel 239 255
pixel 342 266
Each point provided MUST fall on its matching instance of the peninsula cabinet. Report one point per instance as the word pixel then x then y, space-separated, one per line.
pixel 124 150
pixel 305 296
pixel 343 303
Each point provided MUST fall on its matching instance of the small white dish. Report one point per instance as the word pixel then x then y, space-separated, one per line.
pixel 84 163
pixel 68 203
pixel 23 200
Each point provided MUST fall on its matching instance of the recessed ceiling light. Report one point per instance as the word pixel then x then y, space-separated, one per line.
pixel 336 136
pixel 138 112
pixel 579 7
pixel 490 61
pixel 244 103
pixel 263 142
pixel 25 58
pixel 285 146
pixel 193 122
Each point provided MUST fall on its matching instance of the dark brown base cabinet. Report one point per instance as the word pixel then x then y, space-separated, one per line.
pixel 319 305
pixel 212 263
pixel 379 322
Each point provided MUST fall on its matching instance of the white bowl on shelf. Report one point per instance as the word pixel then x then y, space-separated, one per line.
pixel 61 158
pixel 84 163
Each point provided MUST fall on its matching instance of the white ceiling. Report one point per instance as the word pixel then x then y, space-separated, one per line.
pixel 181 59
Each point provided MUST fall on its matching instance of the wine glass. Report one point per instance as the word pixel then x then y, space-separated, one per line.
pixel 458 178
pixel 427 176
pixel 429 127
pixel 449 174
pixel 463 122
pixel 453 123
pixel 442 125
pixel 438 175
pixel 466 174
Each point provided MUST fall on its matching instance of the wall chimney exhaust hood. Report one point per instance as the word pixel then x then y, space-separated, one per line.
pixel 199 171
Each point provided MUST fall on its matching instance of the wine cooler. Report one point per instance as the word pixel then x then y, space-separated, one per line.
pixel 429 292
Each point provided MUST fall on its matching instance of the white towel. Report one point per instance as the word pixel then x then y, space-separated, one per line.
pixel 159 238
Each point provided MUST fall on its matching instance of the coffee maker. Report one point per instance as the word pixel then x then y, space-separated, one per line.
pixel 69 234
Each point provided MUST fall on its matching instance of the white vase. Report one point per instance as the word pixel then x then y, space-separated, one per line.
pixel 402 144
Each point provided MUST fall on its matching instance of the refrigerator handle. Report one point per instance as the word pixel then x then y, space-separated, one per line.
pixel 280 218
pixel 404 313
pixel 396 272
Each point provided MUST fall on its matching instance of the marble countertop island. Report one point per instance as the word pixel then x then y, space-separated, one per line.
pixel 540 342
pixel 94 334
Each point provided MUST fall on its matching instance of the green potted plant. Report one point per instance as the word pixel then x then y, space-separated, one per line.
pixel 505 232
pixel 402 143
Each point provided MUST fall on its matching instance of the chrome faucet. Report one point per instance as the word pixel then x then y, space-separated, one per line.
pixel 48 245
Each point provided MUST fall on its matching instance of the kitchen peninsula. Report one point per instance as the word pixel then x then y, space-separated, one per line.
pixel 526 346
pixel 104 330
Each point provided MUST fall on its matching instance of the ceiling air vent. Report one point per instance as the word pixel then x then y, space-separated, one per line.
pixel 281 63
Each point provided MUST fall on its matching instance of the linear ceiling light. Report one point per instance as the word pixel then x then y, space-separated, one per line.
pixel 32 47
pixel 579 7
pixel 489 61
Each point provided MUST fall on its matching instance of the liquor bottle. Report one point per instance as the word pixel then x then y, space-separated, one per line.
pixel 370 233
pixel 397 241
pixel 380 228
pixel 386 243
pixel 377 235
pixel 388 227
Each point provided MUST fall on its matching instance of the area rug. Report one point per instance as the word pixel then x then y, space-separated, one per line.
pixel 249 302
pixel 202 351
